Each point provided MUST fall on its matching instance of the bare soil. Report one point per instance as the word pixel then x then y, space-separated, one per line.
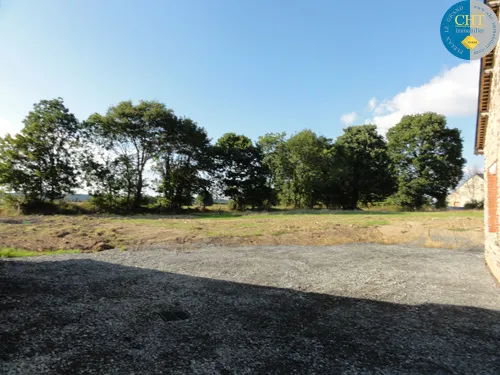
pixel 459 230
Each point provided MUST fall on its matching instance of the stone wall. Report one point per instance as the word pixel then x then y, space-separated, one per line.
pixel 491 169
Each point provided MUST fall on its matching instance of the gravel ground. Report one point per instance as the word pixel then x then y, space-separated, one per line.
pixel 354 309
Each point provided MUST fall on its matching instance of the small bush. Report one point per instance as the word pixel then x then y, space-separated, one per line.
pixel 11 204
pixel 14 204
pixel 474 205
pixel 39 207
pixel 106 203
pixel 231 205
pixel 204 199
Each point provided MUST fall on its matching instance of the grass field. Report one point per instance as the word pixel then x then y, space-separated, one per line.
pixel 10 252
pixel 453 229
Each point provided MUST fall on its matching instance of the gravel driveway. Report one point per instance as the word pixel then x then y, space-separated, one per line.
pixel 352 309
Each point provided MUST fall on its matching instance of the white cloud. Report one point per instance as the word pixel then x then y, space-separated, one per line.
pixel 372 104
pixel 451 93
pixel 348 118
pixel 7 127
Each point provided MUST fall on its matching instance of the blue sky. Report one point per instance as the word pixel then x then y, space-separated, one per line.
pixel 248 66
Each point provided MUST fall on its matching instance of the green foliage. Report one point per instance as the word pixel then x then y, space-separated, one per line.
pixel 299 168
pixel 12 202
pixel 474 205
pixel 231 205
pixel 427 157
pixel 137 134
pixel 10 252
pixel 275 158
pixel 240 171
pixel 308 163
pixel 103 203
pixel 362 166
pixel 40 163
pixel 111 180
pixel 18 204
pixel 183 162
pixel 132 133
pixel 111 154
pixel 204 199
pixel 308 170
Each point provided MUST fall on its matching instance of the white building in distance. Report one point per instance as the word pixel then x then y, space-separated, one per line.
pixel 472 190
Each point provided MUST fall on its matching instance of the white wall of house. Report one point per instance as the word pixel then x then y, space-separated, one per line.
pixel 471 190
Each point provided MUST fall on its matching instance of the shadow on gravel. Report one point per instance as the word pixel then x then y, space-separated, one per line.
pixel 83 316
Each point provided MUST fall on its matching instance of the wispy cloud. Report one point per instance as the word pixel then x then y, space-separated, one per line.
pixel 372 104
pixel 348 118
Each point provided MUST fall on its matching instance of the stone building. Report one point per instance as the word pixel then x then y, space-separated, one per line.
pixel 471 191
pixel 488 144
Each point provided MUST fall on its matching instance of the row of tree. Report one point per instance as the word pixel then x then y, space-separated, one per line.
pixel 119 154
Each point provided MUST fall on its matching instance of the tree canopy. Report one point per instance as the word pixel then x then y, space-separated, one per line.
pixel 427 158
pixel 40 162
pixel 363 166
pixel 133 133
pixel 240 171
pixel 136 150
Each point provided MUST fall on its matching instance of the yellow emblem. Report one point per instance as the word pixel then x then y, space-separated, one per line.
pixel 470 42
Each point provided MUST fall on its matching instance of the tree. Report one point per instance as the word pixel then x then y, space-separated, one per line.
pixel 307 158
pixel 132 133
pixel 204 199
pixel 427 157
pixel 301 168
pixel 40 162
pixel 240 171
pixel 183 161
pixel 363 166
pixel 110 178
pixel 275 159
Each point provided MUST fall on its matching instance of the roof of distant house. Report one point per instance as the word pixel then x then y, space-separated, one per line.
pixel 470 178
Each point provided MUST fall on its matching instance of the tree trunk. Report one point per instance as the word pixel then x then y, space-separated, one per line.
pixel 138 193
pixel 441 201
pixel 353 200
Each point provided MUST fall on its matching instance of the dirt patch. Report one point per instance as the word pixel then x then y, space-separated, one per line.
pixel 94 233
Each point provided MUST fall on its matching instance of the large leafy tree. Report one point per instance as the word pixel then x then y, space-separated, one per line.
pixel 240 171
pixel 275 159
pixel 132 134
pixel 307 158
pixel 183 161
pixel 427 156
pixel 110 178
pixel 40 162
pixel 362 166
pixel 301 168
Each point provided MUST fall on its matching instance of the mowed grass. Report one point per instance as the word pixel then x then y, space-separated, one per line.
pixel 10 252
pixel 242 219
pixel 320 212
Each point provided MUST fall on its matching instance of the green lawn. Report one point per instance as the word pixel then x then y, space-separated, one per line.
pixel 9 252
